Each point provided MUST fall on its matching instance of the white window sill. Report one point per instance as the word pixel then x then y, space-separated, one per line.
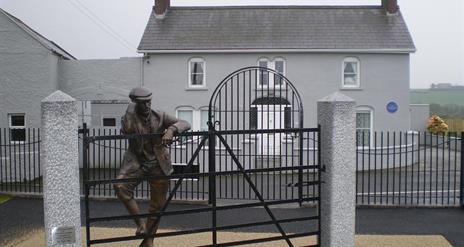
pixel 196 89
pixel 351 88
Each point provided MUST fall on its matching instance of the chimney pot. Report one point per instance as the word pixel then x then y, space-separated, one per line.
pixel 390 6
pixel 161 7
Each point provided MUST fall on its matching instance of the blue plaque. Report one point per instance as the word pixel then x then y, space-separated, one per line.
pixel 392 107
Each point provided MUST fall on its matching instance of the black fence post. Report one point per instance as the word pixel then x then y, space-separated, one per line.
pixel 212 179
pixel 461 187
pixel 300 168
pixel 85 177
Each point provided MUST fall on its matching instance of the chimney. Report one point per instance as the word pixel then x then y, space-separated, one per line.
pixel 161 7
pixel 390 6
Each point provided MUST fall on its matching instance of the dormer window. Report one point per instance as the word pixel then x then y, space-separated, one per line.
pixel 197 73
pixel 351 75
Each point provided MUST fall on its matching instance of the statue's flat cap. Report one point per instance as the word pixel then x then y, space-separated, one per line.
pixel 140 93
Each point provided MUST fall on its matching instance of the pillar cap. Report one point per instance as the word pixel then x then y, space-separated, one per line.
pixel 336 97
pixel 58 96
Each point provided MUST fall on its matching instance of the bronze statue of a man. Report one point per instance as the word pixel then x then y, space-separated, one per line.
pixel 146 156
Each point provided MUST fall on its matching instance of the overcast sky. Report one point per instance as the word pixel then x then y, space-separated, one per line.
pixel 96 29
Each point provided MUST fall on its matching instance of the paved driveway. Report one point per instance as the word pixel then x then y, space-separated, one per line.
pixel 20 216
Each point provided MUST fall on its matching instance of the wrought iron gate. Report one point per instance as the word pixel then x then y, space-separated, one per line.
pixel 238 150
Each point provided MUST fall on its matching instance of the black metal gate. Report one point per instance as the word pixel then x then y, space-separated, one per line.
pixel 239 149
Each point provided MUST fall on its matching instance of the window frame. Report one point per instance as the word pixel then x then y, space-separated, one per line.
pixel 108 117
pixel 370 110
pixel 189 139
pixel 23 127
pixel 358 72
pixel 271 64
pixel 284 72
pixel 196 60
pixel 200 111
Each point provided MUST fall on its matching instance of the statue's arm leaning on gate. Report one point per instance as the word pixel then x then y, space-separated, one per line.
pixel 173 127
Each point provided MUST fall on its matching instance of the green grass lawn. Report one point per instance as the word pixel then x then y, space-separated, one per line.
pixel 4 198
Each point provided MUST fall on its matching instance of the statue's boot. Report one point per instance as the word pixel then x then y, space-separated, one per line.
pixel 125 194
pixel 153 226
pixel 133 209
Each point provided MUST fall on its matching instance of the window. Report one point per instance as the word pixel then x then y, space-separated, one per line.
pixel 109 122
pixel 364 126
pixel 186 115
pixel 197 72
pixel 263 74
pixel 351 74
pixel 278 64
pixel 288 117
pixel 17 127
pixel 253 117
pixel 204 120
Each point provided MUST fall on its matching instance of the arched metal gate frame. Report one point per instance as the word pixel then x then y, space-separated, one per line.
pixel 234 97
pixel 251 99
pixel 254 114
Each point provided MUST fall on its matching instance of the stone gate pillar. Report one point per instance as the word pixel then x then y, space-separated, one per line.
pixel 337 117
pixel 59 158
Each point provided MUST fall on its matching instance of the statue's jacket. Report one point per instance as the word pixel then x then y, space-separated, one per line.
pixel 149 149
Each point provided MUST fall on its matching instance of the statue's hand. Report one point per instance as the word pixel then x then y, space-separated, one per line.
pixel 167 137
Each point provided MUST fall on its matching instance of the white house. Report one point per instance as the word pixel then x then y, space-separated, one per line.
pixel 361 51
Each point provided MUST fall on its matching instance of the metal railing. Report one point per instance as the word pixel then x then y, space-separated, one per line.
pixel 276 179
pixel 409 168
pixel 20 169
pixel 393 168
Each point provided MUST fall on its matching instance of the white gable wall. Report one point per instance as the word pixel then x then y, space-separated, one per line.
pixel 28 73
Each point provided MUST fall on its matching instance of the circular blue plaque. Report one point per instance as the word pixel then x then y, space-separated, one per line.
pixel 392 107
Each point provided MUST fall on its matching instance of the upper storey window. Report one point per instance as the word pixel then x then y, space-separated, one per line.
pixel 267 79
pixel 351 72
pixel 197 72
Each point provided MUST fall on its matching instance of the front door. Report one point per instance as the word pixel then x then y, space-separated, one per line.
pixel 270 117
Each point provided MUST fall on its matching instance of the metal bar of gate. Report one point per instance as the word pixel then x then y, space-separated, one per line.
pixel 206 174
pixel 461 194
pixel 215 228
pixel 300 170
pixel 266 207
pixel 200 210
pixel 319 176
pixel 212 180
pixel 85 145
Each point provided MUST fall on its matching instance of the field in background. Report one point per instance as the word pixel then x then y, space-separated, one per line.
pixel 441 97
pixel 448 104
pixel 455 125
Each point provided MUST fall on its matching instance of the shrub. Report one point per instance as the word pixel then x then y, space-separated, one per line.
pixel 436 125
